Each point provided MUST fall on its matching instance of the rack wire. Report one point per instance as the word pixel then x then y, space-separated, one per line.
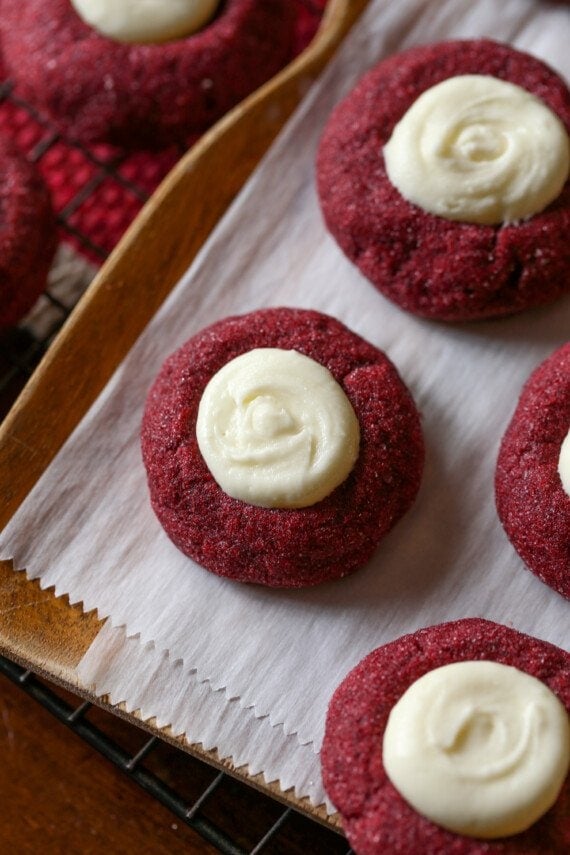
pixel 277 828
pixel 84 182
pixel 85 185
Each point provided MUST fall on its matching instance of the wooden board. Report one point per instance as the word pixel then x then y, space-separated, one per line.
pixel 38 630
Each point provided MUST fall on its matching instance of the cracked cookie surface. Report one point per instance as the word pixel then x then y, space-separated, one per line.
pixel 28 234
pixel 531 502
pixel 141 95
pixel 428 265
pixel 282 547
pixel 376 818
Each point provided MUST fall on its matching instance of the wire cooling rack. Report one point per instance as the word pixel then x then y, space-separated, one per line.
pixel 96 192
pixel 207 800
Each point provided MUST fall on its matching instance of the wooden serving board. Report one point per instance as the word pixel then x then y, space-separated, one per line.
pixel 38 630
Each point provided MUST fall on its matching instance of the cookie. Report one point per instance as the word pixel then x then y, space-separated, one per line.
pixel 28 235
pixel 532 503
pixel 282 546
pixel 429 265
pixel 135 95
pixel 376 818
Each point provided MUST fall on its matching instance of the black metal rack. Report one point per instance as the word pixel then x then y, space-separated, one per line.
pixel 21 348
pixel 202 807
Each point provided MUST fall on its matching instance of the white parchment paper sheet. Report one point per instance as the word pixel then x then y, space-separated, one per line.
pixel 87 528
pixel 158 687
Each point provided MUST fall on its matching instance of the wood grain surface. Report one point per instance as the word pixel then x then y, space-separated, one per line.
pixel 37 630
pixel 60 796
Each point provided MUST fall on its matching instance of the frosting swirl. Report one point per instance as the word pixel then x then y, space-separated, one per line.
pixel 276 430
pixel 480 150
pixel 145 20
pixel 564 464
pixel 478 747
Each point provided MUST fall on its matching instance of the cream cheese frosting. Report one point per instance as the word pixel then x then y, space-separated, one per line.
pixel 564 464
pixel 145 21
pixel 276 430
pixel 479 748
pixel 480 150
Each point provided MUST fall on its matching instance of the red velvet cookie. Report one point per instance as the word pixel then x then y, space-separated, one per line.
pixel 28 235
pixel 428 265
pixel 282 547
pixel 531 502
pixel 95 88
pixel 376 819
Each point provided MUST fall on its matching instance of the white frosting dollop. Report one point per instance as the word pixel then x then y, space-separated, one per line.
pixel 145 21
pixel 276 430
pixel 564 464
pixel 479 748
pixel 479 150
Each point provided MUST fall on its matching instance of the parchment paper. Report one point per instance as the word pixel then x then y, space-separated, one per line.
pixel 88 529
pixel 157 687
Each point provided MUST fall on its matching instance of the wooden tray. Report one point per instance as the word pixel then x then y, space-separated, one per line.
pixel 38 630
